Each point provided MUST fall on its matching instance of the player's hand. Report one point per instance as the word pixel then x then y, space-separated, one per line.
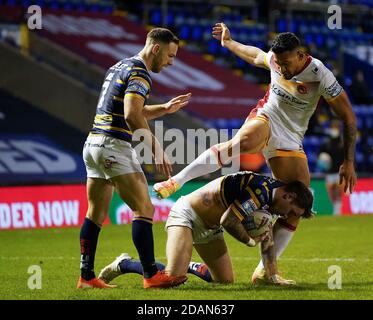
pixel 177 103
pixel 347 176
pixel 163 164
pixel 221 32
pixel 254 241
pixel 278 280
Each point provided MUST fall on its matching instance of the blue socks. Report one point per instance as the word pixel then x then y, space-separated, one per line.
pixel 88 243
pixel 134 266
pixel 200 270
pixel 142 236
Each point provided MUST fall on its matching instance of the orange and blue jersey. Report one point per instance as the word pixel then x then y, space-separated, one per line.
pixel 246 192
pixel 127 77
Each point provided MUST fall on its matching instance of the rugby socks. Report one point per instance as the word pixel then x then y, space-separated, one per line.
pixel 142 236
pixel 281 239
pixel 207 162
pixel 196 268
pixel 200 270
pixel 134 266
pixel 88 243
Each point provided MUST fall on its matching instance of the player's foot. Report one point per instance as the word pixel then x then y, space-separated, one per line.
pixel 112 270
pixel 202 269
pixel 162 280
pixel 259 276
pixel 93 283
pixel 166 188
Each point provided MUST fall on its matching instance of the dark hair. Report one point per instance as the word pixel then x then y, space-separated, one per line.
pixel 162 35
pixel 286 41
pixel 304 197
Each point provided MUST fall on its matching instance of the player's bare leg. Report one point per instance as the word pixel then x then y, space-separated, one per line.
pixel 99 194
pixel 251 138
pixel 178 250
pixel 286 169
pixel 215 255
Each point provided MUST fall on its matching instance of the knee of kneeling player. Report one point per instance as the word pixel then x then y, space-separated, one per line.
pixel 223 280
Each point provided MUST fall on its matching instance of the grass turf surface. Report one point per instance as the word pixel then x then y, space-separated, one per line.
pixel 318 244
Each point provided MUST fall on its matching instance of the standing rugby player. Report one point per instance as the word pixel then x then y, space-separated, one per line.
pixel 111 162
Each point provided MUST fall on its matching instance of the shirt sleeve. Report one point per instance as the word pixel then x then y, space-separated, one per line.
pixel 138 83
pixel 267 59
pixel 245 204
pixel 329 86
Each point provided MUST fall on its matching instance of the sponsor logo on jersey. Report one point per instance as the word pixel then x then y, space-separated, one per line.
pixel 249 206
pixel 333 90
pixel 287 98
pixel 138 86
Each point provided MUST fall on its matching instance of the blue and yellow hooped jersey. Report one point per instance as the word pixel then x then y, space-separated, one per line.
pixel 246 192
pixel 127 77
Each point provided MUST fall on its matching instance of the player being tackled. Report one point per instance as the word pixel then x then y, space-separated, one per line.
pixel 233 202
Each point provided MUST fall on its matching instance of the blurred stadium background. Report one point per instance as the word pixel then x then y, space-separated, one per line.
pixel 49 86
pixel 51 80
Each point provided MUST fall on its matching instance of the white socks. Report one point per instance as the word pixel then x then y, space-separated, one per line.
pixel 207 162
pixel 281 239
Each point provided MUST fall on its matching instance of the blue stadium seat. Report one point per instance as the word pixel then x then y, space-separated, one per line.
pixel 197 33
pixel 281 25
pixel 156 17
pixel 370 141
pixel 24 3
pixel 170 18
pixel 54 5
pixel 221 123
pixel 184 32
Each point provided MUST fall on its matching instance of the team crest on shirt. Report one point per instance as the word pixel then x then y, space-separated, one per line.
pixel 302 89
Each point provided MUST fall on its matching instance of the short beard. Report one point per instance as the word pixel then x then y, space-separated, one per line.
pixel 156 66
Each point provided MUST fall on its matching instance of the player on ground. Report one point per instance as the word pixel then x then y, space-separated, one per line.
pixel 278 123
pixel 196 219
pixel 111 162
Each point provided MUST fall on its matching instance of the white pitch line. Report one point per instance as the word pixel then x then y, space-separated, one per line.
pixel 314 260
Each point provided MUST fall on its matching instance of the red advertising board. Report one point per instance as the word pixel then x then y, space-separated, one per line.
pixel 105 39
pixel 361 200
pixel 42 206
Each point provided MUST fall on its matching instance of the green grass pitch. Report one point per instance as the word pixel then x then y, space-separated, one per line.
pixel 318 244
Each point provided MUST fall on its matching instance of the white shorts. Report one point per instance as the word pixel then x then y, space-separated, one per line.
pixel 282 141
pixel 182 214
pixel 106 157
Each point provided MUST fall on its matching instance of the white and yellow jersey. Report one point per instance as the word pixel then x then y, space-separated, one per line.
pixel 289 104
pixel 295 100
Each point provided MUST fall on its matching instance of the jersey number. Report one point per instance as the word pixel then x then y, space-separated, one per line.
pixel 105 86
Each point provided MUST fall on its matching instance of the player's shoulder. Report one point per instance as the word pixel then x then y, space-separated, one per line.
pixel 317 68
pixel 138 69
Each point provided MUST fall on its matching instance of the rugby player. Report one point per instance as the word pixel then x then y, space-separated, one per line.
pixel 276 126
pixel 111 162
pixel 229 201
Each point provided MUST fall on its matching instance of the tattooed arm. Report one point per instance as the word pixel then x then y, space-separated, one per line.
pixel 267 250
pixel 236 229
pixel 342 107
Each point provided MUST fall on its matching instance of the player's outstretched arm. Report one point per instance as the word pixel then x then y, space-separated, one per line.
pixel 250 54
pixel 135 119
pixel 158 110
pixel 342 107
